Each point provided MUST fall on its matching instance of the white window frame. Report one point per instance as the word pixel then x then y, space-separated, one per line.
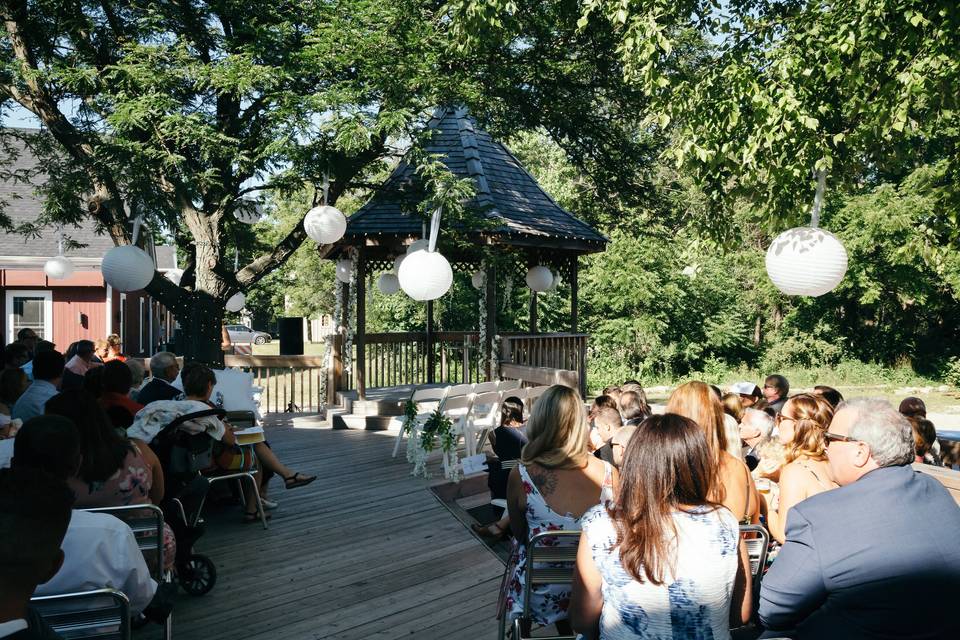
pixel 47 296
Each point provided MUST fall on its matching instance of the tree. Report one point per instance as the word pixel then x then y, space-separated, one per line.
pixel 175 111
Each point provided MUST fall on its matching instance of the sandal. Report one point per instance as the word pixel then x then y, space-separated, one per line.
pixel 254 516
pixel 298 480
pixel 491 530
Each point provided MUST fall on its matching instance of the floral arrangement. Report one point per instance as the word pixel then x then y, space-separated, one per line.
pixel 438 428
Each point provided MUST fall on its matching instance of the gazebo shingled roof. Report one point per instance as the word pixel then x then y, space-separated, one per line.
pixel 505 192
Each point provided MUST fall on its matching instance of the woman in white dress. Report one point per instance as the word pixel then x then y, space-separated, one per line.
pixel 664 560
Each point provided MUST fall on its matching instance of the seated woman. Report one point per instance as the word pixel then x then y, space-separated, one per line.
pixel 114 471
pixel 802 421
pixel 734 489
pixel 116 381
pixel 924 437
pixel 198 382
pixel 556 482
pixel 13 382
pixel 507 441
pixel 664 557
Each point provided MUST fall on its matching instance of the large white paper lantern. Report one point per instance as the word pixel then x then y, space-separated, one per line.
pixel 539 278
pixel 478 279
pixel 344 270
pixel 388 284
pixel 236 302
pixel 174 276
pixel 418 245
pixel 325 224
pixel 248 212
pixel 425 275
pixel 555 283
pixel 397 262
pixel 806 261
pixel 127 268
pixel 58 268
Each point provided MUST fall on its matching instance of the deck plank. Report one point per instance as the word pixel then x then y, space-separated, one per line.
pixel 366 551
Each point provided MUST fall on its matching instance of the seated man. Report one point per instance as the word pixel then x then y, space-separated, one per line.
pixel 99 550
pixel 47 372
pixel 34 511
pixel 755 428
pixel 877 557
pixel 164 369
pixel 607 422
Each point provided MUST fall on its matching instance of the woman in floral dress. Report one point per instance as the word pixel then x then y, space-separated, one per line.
pixel 555 484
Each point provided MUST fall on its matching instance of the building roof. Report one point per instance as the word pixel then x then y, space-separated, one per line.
pixel 523 213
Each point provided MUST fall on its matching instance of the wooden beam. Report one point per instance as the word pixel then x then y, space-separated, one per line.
pixel 360 338
pixel 490 282
pixel 431 358
pixel 533 311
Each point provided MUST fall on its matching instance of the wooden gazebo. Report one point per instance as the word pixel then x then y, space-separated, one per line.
pixel 525 225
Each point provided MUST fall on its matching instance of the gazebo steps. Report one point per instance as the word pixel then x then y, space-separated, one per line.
pixel 372 413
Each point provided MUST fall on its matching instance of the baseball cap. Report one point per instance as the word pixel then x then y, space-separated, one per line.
pixel 745 389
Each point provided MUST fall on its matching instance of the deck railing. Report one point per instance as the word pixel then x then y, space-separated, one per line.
pixel 402 358
pixel 290 383
pixel 561 351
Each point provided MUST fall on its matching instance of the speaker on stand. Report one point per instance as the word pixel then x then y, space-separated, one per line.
pixel 291 344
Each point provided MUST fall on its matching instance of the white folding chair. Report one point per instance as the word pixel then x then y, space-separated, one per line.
pixel 509 385
pixel 485 387
pixel 103 614
pixel 459 390
pixel 533 393
pixel 426 400
pixel 484 417
pixel 456 408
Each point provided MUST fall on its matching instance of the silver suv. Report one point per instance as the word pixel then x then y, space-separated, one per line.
pixel 240 334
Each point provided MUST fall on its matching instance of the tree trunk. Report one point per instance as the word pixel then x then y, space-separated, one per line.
pixel 202 330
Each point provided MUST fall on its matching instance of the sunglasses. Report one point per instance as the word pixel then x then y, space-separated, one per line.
pixel 830 437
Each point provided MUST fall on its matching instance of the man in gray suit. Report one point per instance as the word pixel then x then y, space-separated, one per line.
pixel 879 557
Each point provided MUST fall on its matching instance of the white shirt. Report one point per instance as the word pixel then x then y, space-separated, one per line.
pixel 101 551
pixel 11 627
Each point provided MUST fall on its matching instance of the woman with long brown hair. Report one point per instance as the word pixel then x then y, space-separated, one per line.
pixel 555 483
pixel 732 486
pixel 802 422
pixel 664 557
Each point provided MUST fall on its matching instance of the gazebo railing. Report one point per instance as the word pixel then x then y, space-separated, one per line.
pixel 393 359
pixel 289 383
pixel 563 351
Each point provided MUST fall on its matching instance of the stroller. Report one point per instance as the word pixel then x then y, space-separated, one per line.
pixel 182 456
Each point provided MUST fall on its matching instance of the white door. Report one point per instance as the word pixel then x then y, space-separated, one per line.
pixel 29 309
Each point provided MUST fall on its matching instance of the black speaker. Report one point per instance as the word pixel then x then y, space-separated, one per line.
pixel 291 336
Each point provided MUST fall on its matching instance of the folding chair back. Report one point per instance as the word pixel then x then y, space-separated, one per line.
pixel 533 393
pixel 459 390
pixel 457 407
pixel 146 522
pixel 484 387
pixel 484 417
pixel 103 614
pixel 757 540
pixel 509 385
pixel 428 399
pixel 551 557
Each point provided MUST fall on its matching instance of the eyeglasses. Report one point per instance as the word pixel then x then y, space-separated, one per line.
pixel 780 418
pixel 837 437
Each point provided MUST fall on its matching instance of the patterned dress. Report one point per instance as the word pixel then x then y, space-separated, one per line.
pixel 548 603
pixel 692 604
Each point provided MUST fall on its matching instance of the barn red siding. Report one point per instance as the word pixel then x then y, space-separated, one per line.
pixel 79 313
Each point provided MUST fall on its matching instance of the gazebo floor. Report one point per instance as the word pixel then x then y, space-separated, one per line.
pixel 366 551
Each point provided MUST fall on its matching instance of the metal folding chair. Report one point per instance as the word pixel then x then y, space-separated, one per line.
pixel 101 614
pixel 547 563
pixel 757 539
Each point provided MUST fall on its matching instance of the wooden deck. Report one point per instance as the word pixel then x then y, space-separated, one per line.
pixel 366 551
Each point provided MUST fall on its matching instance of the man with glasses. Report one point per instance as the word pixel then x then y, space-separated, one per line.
pixel 877 557
pixel 164 369
pixel 775 390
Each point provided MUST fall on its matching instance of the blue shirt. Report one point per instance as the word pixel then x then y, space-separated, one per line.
pixel 33 400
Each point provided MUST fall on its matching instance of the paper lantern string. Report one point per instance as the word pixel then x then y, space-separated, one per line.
pixel 136 229
pixel 59 239
pixel 434 229
pixel 325 186
pixel 236 259
pixel 818 198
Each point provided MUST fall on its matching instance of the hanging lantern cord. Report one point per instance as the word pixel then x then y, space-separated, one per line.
pixel 325 187
pixel 59 240
pixel 136 229
pixel 818 198
pixel 434 228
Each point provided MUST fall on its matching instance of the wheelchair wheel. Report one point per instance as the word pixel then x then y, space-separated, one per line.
pixel 198 575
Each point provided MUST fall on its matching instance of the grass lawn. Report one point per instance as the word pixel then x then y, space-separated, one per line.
pixel 273 349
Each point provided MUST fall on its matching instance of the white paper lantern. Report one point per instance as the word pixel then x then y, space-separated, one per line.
pixel 127 268
pixel 236 302
pixel 397 262
pixel 58 268
pixel 174 276
pixel 325 224
pixel 418 245
pixel 555 283
pixel 539 278
pixel 425 275
pixel 806 261
pixel 344 270
pixel 388 284
pixel 248 212
pixel 477 279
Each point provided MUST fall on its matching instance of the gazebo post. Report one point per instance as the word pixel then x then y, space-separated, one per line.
pixel 360 338
pixel 431 359
pixel 533 311
pixel 490 282
pixel 574 293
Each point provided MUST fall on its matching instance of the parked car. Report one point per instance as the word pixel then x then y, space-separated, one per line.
pixel 240 334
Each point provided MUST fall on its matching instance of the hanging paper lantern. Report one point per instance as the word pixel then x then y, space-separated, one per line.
pixel 248 212
pixel 539 278
pixel 58 268
pixel 325 224
pixel 388 284
pixel 174 276
pixel 806 261
pixel 344 270
pixel 127 268
pixel 555 283
pixel 236 302
pixel 397 262
pixel 425 275
pixel 418 245
pixel 477 279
